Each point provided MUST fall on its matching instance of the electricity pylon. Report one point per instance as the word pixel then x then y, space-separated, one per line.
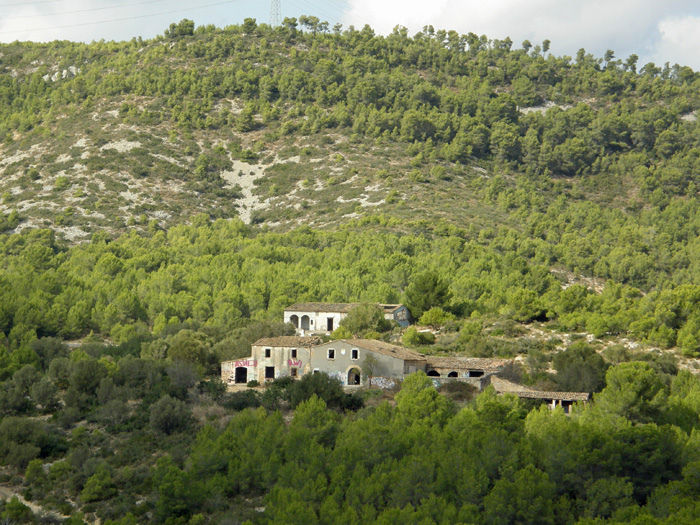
pixel 275 13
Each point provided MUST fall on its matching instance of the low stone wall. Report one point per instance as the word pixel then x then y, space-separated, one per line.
pixel 477 382
pixel 385 383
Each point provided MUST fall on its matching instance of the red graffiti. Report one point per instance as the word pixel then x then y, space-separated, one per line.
pixel 294 362
pixel 246 362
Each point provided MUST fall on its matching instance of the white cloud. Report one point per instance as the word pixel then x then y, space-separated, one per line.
pixel 680 38
pixel 648 28
pixel 656 31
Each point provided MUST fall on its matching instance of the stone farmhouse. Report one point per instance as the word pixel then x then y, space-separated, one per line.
pixel 270 358
pixel 368 362
pixel 323 318
pixel 354 362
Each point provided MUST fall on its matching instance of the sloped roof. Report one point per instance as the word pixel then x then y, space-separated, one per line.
pixel 390 308
pixel 321 307
pixel 559 396
pixel 337 307
pixel 502 386
pixel 289 341
pixel 381 347
pixel 468 363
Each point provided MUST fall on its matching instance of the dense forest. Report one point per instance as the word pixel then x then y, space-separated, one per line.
pixel 163 200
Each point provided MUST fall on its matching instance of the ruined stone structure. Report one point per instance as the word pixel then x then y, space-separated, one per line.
pixel 271 358
pixel 323 318
pixel 365 362
pixel 553 399
pixel 353 361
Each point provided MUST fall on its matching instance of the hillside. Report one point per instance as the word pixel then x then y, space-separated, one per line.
pixel 163 200
pixel 582 168
pixel 285 127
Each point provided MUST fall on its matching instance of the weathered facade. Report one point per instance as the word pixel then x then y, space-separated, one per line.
pixel 271 358
pixel 358 362
pixel 398 313
pixel 323 318
pixel 353 360
pixel 316 318
pixel 462 367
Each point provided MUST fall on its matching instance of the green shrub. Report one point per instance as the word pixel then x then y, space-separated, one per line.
pixel 241 400
pixel 169 415
pixel 413 337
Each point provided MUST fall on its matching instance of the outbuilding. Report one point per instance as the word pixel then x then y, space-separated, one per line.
pixel 323 318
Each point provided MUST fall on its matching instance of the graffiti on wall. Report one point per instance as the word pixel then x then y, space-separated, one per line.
pixel 294 362
pixel 385 383
pixel 245 362
pixel 337 375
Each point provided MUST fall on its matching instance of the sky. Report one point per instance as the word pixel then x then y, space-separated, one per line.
pixel 655 30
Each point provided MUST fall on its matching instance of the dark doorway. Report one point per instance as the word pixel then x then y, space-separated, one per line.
pixel 294 320
pixel 269 372
pixel 354 376
pixel 476 373
pixel 241 374
pixel 433 373
pixel 305 322
pixel 329 324
pixel 452 374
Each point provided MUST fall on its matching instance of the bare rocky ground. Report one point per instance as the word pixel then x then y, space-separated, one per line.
pixel 88 181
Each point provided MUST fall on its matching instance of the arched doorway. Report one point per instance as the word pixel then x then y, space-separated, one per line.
pixel 241 374
pixel 433 373
pixel 354 376
pixel 294 320
pixel 304 322
pixel 452 374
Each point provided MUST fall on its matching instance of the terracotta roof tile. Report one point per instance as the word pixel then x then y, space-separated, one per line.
pixel 502 387
pixel 336 307
pixel 469 363
pixel 289 341
pixel 321 307
pixel 559 396
pixel 381 347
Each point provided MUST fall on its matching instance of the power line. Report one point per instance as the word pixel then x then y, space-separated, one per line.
pixel 117 19
pixel 28 3
pixel 85 10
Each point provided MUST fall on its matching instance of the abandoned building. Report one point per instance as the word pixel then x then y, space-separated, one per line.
pixel 270 358
pixel 323 318
pixel 365 362
pixel 553 399
pixel 352 361
pixel 464 367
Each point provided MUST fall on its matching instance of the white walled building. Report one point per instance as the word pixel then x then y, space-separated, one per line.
pixel 323 318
